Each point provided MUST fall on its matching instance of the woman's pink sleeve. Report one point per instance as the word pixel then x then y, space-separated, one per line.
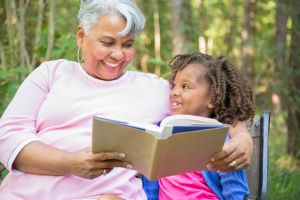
pixel 18 123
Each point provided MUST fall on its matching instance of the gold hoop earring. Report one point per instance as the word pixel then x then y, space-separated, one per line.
pixel 79 60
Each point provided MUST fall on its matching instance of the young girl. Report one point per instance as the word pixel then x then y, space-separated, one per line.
pixel 208 87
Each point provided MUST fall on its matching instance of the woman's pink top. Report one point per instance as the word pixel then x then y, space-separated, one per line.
pixel 55 105
pixel 190 186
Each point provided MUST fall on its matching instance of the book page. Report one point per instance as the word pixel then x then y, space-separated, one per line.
pixel 142 125
pixel 182 120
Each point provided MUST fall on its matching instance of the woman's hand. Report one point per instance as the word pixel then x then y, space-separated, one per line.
pixel 90 165
pixel 236 154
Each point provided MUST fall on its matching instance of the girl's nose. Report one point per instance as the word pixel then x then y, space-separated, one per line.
pixel 174 91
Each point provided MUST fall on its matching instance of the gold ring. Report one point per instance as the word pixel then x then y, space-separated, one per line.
pixel 104 172
pixel 233 164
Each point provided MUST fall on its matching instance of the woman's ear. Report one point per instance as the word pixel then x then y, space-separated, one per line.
pixel 80 36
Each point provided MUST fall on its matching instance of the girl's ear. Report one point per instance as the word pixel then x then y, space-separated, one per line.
pixel 210 106
pixel 80 36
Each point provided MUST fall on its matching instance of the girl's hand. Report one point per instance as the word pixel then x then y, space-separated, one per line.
pixel 90 165
pixel 235 155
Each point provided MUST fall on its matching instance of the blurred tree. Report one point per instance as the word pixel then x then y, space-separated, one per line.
pixel 157 37
pixel 293 98
pixel 280 55
pixel 232 28
pixel 180 11
pixel 248 33
pixel 202 39
pixel 38 32
pixel 51 28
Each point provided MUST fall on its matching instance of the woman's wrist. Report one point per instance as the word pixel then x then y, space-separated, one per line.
pixel 40 158
pixel 246 137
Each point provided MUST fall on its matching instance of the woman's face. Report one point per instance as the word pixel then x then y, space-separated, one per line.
pixel 105 52
pixel 190 92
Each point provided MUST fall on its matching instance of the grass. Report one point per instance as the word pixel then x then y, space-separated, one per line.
pixel 284 172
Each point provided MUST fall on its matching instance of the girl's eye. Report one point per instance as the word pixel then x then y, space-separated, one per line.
pixel 185 86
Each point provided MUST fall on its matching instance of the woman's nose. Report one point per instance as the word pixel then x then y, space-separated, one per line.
pixel 117 53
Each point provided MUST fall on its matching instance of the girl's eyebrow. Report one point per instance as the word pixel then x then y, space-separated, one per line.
pixel 186 80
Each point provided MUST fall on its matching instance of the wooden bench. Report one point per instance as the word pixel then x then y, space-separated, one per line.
pixel 258 170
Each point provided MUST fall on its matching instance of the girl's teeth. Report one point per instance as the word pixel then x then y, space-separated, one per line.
pixel 174 103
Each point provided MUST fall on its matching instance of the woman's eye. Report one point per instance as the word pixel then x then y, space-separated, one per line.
pixel 108 44
pixel 127 45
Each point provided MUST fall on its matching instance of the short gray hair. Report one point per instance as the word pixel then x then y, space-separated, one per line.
pixel 91 10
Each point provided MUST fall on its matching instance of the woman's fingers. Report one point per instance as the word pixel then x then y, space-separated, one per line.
pixel 110 160
pixel 108 156
pixel 91 165
pixel 109 164
pixel 232 157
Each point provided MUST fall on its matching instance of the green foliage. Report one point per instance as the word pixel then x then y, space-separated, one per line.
pixel 3 174
pixel 284 172
pixel 10 79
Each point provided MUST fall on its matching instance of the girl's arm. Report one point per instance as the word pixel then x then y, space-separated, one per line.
pixel 234 185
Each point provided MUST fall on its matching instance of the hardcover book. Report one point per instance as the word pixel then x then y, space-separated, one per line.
pixel 181 144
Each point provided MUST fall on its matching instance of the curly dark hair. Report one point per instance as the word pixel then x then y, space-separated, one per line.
pixel 230 93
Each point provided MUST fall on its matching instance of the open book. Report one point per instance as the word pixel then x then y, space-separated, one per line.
pixel 181 144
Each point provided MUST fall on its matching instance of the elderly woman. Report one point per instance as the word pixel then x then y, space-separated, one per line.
pixel 45 132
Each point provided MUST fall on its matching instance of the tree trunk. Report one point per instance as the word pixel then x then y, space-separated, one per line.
pixel 156 35
pixel 231 34
pixel 248 31
pixel 38 31
pixel 2 35
pixel 24 57
pixel 202 40
pixel 51 28
pixel 180 16
pixel 293 104
pixel 2 56
pixel 280 56
pixel 11 33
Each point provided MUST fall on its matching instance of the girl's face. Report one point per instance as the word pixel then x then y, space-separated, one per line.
pixel 105 52
pixel 190 92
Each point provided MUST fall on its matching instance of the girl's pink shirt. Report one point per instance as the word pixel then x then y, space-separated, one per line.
pixel 190 186
pixel 55 105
